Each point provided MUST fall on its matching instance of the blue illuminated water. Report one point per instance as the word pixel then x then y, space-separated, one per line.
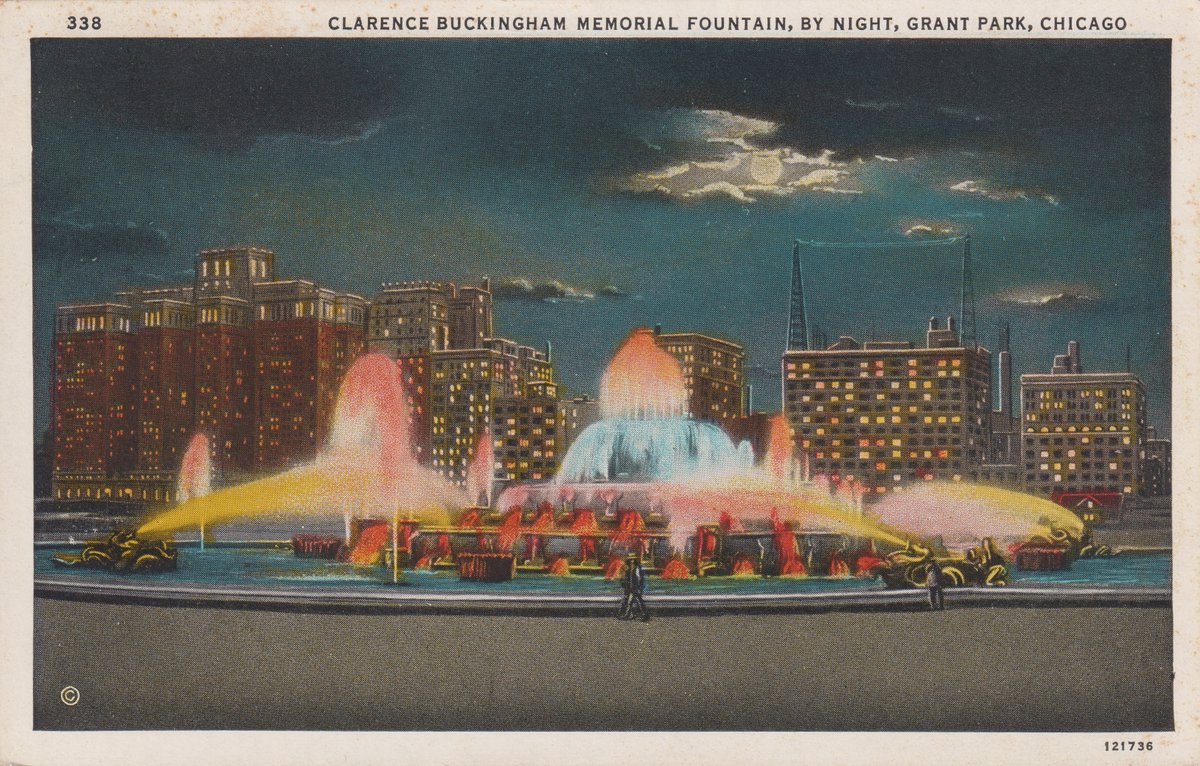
pixel 1126 569
pixel 277 566
pixel 661 449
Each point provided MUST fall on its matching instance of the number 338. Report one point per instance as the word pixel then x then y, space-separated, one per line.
pixel 83 22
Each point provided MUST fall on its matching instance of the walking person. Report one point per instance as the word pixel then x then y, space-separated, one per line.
pixel 633 583
pixel 627 589
pixel 933 579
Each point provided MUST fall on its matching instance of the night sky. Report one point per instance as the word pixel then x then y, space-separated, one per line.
pixel 630 183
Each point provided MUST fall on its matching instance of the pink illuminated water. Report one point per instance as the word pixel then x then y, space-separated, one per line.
pixel 642 381
pixel 964 513
pixel 779 460
pixel 479 472
pixel 372 414
pixel 195 471
pixel 367 470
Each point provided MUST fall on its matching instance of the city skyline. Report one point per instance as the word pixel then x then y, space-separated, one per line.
pixel 527 172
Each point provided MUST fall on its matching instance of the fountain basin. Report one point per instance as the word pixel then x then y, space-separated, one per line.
pixel 234 567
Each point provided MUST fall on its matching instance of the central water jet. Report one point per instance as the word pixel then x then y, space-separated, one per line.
pixel 646 434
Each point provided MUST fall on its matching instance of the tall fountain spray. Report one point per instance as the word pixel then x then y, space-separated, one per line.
pixel 779 460
pixel 367 467
pixel 195 474
pixel 645 433
pixel 480 471
pixel 642 381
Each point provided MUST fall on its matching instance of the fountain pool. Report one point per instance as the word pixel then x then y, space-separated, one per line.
pixel 259 565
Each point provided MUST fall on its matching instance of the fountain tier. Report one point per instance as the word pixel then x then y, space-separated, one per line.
pixel 665 449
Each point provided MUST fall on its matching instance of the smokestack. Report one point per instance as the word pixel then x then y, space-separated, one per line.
pixel 749 398
pixel 549 353
pixel 1004 363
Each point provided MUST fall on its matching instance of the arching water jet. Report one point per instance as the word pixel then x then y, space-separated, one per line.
pixel 367 466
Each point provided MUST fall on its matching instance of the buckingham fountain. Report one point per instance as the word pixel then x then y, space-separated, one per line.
pixel 645 479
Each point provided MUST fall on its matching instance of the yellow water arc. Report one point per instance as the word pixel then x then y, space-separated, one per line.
pixel 308 490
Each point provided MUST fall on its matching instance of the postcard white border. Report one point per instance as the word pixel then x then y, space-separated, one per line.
pixel 20 21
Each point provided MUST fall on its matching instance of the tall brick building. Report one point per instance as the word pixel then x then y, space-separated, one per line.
pixel 458 373
pixel 240 355
pixel 418 317
pixel 94 398
pixel 465 387
pixel 166 367
pixel 527 433
pixel 303 345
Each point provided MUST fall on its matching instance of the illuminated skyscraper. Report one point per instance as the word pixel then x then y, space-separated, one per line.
pixel 1082 431
pixel 886 413
pixel 713 373
pixel 250 360
pixel 94 398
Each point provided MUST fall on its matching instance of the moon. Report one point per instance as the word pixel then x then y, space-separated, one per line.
pixel 766 168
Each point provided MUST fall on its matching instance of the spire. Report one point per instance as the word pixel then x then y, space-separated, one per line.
pixel 966 316
pixel 1004 365
pixel 797 339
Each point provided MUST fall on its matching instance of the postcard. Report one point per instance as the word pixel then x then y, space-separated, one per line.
pixel 523 383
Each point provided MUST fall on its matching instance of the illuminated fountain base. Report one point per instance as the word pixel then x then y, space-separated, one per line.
pixel 909 568
pixel 122 552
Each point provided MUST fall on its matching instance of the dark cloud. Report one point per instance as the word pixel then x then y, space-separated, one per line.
pixel 99 242
pixel 220 90
pixel 855 96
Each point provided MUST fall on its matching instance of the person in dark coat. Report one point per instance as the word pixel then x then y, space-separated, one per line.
pixel 933 579
pixel 633 583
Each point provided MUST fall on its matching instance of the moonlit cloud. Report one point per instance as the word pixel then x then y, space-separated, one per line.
pixel 550 291
pixel 929 229
pixel 727 155
pixel 1002 193
pixel 878 106
pixel 1049 297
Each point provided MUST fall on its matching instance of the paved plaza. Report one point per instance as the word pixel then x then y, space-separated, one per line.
pixel 972 668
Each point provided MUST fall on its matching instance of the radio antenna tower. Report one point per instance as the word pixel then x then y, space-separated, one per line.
pixel 797 339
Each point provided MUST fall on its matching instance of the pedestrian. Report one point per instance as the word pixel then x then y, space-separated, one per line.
pixel 933 579
pixel 627 588
pixel 633 583
pixel 637 607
